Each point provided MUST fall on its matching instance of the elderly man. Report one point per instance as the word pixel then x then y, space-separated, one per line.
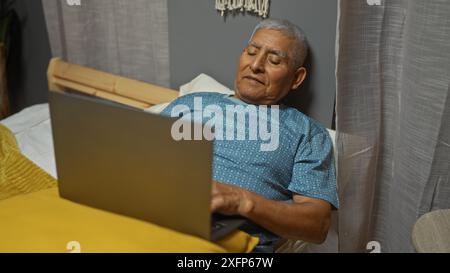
pixel 288 191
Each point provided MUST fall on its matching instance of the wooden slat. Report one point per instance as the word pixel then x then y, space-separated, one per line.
pixel 62 75
pixel 149 93
pixel 85 76
pixel 101 94
pixel 75 86
pixel 50 75
pixel 122 100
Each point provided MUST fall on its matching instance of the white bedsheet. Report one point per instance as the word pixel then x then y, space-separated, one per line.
pixel 33 133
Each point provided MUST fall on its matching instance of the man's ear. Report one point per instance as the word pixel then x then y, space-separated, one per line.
pixel 299 77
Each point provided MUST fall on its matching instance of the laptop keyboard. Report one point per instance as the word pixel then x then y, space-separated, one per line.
pixel 216 226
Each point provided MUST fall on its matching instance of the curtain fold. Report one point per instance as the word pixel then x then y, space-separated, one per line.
pixel 392 109
pixel 129 38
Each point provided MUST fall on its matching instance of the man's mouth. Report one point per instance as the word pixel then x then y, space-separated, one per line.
pixel 255 79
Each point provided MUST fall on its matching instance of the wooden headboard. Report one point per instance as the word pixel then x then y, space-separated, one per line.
pixel 63 76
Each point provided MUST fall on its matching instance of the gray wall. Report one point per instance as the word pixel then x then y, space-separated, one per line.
pixel 202 41
pixel 29 56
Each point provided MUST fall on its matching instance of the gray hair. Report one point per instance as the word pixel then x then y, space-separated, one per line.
pixel 300 50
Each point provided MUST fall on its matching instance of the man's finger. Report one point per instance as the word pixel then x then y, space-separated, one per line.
pixel 217 203
pixel 214 188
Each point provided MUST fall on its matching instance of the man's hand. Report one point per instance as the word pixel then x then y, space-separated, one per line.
pixel 230 200
pixel 306 218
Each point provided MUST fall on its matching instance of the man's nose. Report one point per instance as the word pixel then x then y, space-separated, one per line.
pixel 257 64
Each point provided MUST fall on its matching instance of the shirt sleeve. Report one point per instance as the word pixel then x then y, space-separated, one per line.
pixel 314 169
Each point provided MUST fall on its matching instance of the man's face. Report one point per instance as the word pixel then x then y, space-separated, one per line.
pixel 266 72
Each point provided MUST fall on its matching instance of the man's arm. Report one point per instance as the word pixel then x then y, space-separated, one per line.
pixel 306 219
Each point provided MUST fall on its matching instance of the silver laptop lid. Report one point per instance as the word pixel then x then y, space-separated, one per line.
pixel 125 160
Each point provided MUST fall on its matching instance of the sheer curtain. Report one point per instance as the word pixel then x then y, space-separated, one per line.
pixel 393 119
pixel 129 38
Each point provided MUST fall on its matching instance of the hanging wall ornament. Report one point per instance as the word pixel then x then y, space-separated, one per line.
pixel 261 7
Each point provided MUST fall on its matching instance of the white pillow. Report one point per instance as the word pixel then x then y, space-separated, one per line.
pixel 201 83
pixel 204 83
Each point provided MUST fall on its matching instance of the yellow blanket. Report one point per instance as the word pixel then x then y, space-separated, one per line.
pixel 34 219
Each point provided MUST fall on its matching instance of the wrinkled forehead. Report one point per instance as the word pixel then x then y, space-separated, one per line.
pixel 273 40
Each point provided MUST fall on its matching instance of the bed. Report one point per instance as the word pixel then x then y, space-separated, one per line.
pixel 32 131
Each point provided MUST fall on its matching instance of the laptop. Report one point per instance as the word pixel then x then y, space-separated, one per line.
pixel 124 160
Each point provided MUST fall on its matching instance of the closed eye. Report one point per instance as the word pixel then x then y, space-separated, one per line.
pixel 251 51
pixel 274 60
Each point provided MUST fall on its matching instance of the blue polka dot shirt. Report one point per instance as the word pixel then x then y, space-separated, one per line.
pixel 301 162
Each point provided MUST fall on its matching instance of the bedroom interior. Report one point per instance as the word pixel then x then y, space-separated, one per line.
pixel 377 80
